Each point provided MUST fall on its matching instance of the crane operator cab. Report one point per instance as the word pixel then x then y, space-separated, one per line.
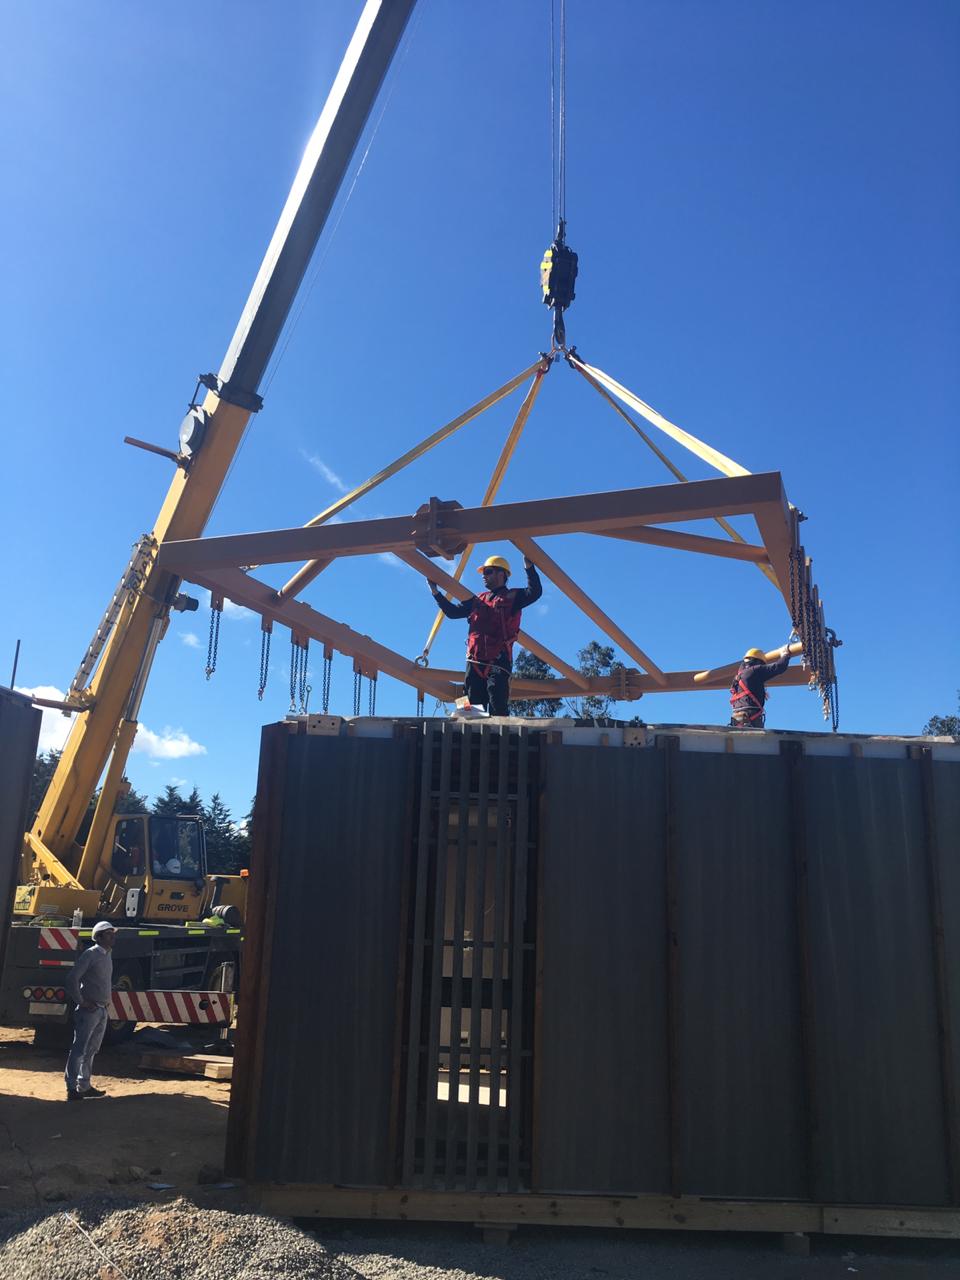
pixel 158 868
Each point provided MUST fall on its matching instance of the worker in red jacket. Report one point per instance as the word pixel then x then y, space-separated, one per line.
pixel 748 693
pixel 494 625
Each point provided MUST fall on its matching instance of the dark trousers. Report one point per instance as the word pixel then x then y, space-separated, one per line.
pixel 490 690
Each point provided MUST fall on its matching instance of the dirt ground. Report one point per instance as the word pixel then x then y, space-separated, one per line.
pixel 167 1126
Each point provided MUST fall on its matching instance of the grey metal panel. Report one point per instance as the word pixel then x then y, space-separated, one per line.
pixel 19 733
pixel 602 1122
pixel 329 1064
pixel 878 1064
pixel 741 1059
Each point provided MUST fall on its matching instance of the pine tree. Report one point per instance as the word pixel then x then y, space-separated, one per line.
pixel 224 844
pixel 170 803
pixel 193 803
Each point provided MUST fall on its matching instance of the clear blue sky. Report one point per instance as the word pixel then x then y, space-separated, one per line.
pixel 765 198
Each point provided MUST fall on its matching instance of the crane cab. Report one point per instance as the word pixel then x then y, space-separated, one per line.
pixel 156 868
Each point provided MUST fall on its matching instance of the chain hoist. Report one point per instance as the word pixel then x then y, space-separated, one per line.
pixel 294 671
pixel 304 689
pixel 558 267
pixel 213 641
pixel 266 631
pixel 327 674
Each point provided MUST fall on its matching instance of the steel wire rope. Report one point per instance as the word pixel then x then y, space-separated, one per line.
pixel 554 211
pixel 562 161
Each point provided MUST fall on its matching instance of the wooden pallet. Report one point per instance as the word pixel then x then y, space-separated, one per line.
pixel 211 1066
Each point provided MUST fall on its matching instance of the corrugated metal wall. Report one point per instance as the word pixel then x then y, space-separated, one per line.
pixel 495 962
pixel 19 733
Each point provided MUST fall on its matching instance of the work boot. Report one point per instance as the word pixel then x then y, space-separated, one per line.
pixel 93 1093
pixel 73 1095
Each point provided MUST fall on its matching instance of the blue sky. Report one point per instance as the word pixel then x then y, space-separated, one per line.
pixel 764 197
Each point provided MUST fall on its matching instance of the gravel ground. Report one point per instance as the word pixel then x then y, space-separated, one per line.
pixel 176 1240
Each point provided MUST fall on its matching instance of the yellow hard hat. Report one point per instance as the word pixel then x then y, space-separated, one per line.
pixel 755 653
pixel 495 562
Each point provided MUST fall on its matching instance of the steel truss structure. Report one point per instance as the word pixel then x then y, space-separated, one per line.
pixel 446 530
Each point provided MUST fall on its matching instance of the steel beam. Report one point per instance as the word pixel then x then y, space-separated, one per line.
pixel 550 568
pixel 691 542
pixel 583 513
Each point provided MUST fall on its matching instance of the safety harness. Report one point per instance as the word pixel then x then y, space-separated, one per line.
pixel 494 626
pixel 740 691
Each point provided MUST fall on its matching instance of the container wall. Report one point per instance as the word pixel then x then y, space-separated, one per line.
pixel 741 1081
pixel 601 1054
pixel 483 959
pixel 19 733
pixel 327 1039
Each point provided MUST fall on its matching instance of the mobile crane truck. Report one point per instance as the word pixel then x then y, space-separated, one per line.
pixel 179 927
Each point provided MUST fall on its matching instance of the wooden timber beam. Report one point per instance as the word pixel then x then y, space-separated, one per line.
pixel 691 542
pixel 550 568
pixel 433 573
pixel 583 513
pixel 722 675
pixel 239 587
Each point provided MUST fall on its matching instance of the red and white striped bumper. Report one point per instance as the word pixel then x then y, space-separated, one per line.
pixel 170 1006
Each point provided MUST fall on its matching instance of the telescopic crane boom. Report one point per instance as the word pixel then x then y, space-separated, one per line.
pixel 209 438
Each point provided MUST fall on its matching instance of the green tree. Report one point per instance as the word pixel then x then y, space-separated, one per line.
pixel 529 667
pixel 224 841
pixel 595 659
pixel 43 768
pixel 193 803
pixel 944 726
pixel 170 803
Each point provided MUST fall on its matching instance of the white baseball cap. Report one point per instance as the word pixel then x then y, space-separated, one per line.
pixel 102 926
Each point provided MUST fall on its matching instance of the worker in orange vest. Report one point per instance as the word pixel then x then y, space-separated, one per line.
pixel 748 693
pixel 494 625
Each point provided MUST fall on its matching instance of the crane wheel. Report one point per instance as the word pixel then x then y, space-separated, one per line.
pixel 127 979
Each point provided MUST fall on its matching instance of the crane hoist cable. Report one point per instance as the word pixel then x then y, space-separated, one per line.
pixel 558 267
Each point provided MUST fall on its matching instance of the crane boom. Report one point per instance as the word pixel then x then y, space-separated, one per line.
pixel 209 444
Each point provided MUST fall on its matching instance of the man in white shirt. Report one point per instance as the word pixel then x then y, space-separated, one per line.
pixel 89 985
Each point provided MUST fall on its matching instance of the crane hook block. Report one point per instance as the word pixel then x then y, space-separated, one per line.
pixel 558 274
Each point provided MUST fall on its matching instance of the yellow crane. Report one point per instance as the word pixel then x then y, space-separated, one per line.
pixel 131 867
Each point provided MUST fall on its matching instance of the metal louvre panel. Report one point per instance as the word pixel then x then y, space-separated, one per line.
pixel 19 733
pixel 741 1057
pixel 602 1117
pixel 328 1039
pixel 879 1082
pixel 470 1008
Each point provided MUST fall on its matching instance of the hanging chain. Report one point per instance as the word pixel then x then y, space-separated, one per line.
pixel 372 696
pixel 356 691
pixel 213 643
pixel 264 658
pixel 420 697
pixel 327 673
pixel 294 670
pixel 304 690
